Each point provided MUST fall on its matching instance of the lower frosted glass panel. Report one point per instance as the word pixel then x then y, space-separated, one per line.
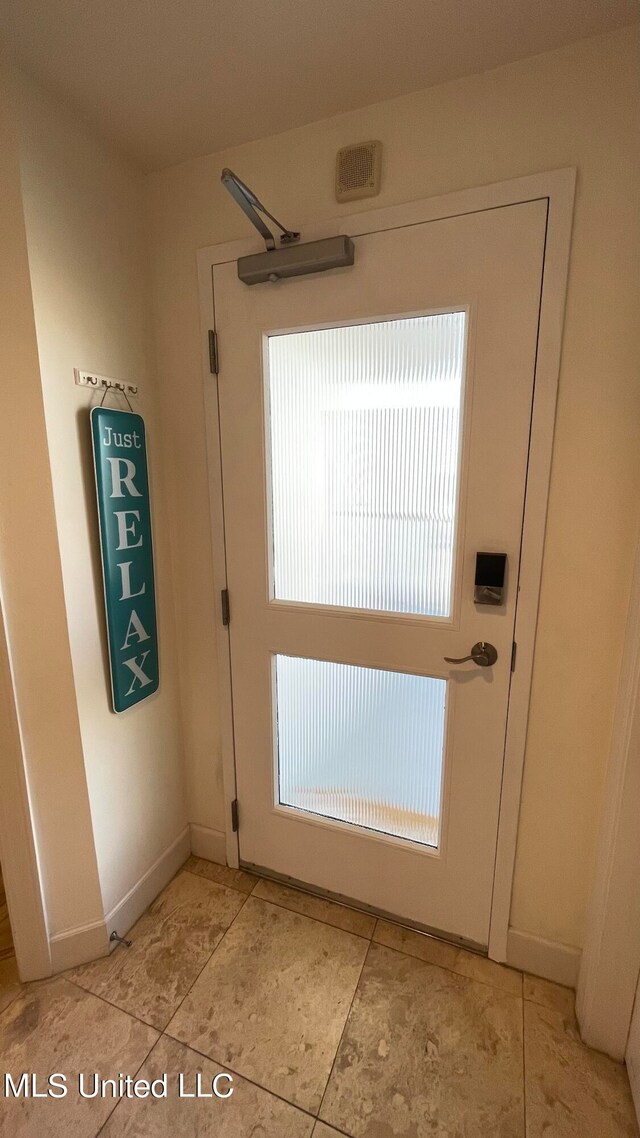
pixel 361 745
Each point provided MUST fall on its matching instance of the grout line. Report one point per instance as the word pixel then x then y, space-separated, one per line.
pixel 388 921
pixel 342 1133
pixel 396 924
pixel 120 1101
pixel 549 1007
pixel 212 880
pixel 316 897
pixel 320 920
pixel 133 1015
pixel 344 1028
pixel 246 896
pixel 454 971
pixel 209 958
pixel 66 974
pixel 163 1032
pixel 363 912
pixel 327 899
pixel 104 1000
pixel 369 911
pixel 21 991
pixel 238 1074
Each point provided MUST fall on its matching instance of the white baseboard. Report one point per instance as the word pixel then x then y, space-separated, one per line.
pixel 81 945
pixel 546 958
pixel 126 912
pixel 78 946
pixel 209 844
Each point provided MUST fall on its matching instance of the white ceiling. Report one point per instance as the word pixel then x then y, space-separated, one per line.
pixel 172 79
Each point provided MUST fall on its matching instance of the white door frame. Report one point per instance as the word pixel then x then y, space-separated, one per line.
pixel 17 846
pixel 611 955
pixel 558 187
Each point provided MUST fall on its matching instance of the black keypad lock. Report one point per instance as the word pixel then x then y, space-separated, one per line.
pixel 491 571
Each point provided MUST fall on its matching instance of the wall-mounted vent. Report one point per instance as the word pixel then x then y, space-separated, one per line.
pixel 358 171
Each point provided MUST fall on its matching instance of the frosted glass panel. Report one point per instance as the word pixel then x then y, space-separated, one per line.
pixel 364 425
pixel 361 745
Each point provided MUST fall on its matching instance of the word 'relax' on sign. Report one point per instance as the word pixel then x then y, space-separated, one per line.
pixel 124 512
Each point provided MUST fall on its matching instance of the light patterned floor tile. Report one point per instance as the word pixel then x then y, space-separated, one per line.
pixel 273 1000
pixel 550 995
pixel 317 907
pixel 488 972
pixel 416 944
pixel 10 984
pixel 323 1131
pixel 56 1027
pixel 433 951
pixel 427 1053
pixel 223 874
pixel 249 1111
pixel 572 1091
pixel 171 943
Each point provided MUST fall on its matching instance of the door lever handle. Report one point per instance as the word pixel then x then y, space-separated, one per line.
pixel 482 653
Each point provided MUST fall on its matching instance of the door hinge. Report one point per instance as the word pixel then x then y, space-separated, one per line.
pixel 514 652
pixel 234 816
pixel 224 604
pixel 213 352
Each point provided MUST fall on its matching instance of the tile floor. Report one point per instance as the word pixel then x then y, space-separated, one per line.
pixel 332 1023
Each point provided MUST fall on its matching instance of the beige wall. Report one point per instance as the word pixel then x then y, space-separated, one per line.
pixel 576 106
pixel 31 588
pixel 87 257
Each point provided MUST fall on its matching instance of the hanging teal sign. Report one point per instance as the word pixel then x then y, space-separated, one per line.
pixel 122 484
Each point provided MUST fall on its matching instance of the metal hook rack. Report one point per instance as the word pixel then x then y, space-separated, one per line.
pixel 104 383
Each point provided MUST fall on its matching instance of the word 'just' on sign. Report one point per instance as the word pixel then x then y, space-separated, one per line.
pixel 124 512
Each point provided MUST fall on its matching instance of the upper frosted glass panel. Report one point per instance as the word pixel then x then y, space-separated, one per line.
pixel 364 425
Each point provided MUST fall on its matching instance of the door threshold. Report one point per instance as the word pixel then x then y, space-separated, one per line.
pixel 362 907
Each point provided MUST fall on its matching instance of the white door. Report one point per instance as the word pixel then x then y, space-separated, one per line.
pixel 374 437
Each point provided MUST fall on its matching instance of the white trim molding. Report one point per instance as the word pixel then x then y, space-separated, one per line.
pixel 209 844
pixel 211 412
pixel 558 188
pixel 18 855
pixel 546 958
pixel 611 955
pixel 132 906
pixel 73 947
pixel 78 946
